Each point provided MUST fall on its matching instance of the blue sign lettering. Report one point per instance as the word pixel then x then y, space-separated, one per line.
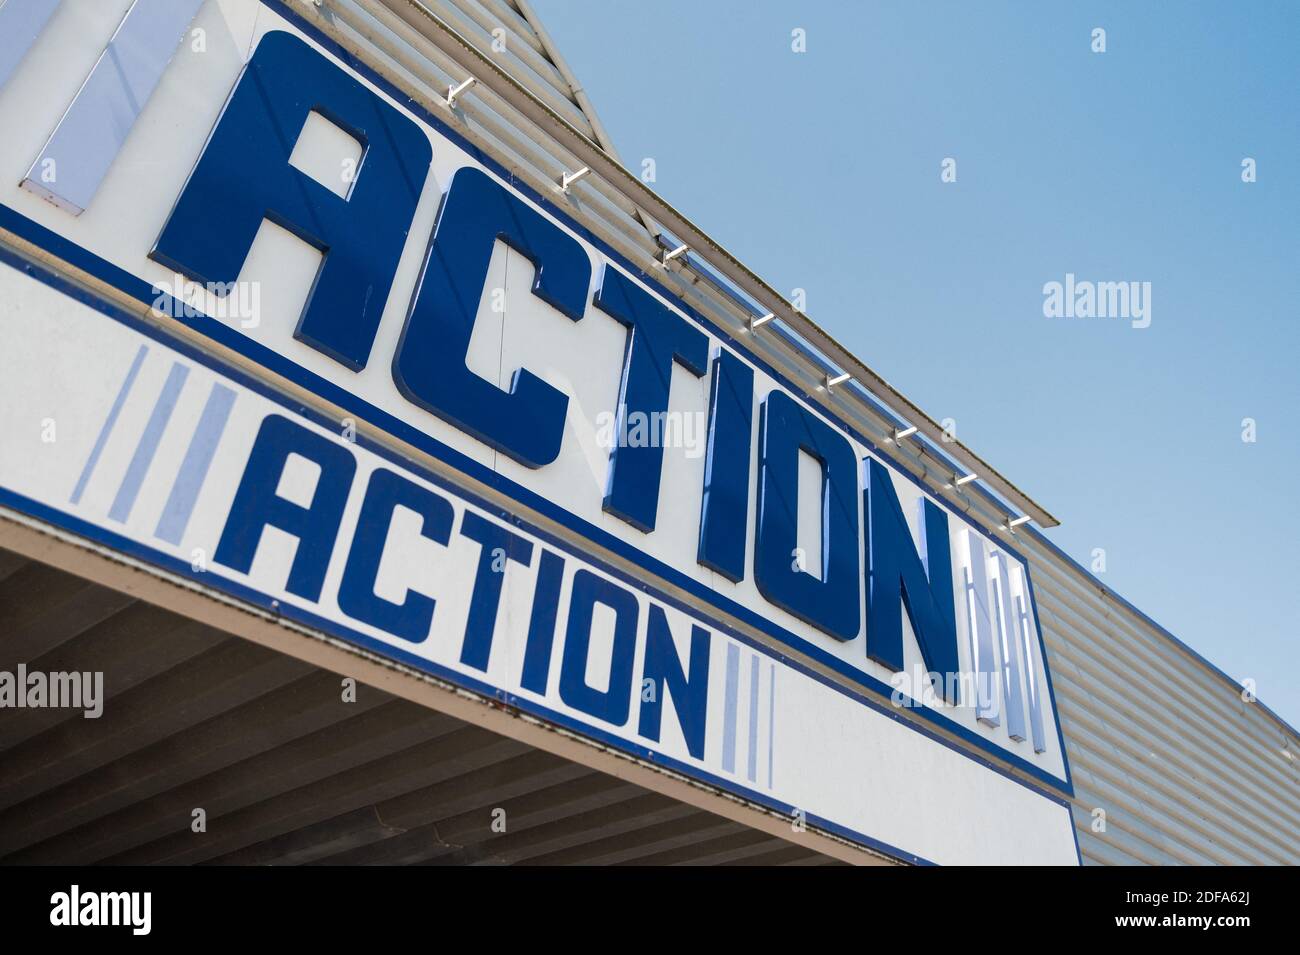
pixel 497 547
pixel 244 177
pixel 923 579
pixel 387 491
pixel 258 504
pixel 526 422
pixel 832 602
pixel 656 338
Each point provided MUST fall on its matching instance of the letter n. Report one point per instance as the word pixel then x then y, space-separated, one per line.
pixel 690 692
pixel 898 576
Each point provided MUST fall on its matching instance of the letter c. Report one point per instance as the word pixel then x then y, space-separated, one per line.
pixel 526 422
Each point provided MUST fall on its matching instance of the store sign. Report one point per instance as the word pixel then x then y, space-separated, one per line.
pixel 291 209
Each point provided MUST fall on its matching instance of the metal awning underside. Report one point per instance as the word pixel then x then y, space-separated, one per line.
pixel 286 772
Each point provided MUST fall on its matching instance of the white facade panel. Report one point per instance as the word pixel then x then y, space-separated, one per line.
pixel 766 729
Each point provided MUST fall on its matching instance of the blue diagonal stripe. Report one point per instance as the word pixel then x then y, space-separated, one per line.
pixel 21 22
pixel 148 446
pixel 194 469
pixel 107 428
pixel 1031 678
pixel 753 718
pixel 771 722
pixel 729 712
pixel 95 127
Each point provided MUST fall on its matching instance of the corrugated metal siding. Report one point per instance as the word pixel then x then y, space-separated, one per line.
pixel 498 30
pixel 1184 768
pixel 1186 771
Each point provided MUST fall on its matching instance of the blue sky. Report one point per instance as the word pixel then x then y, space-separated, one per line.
pixel 821 170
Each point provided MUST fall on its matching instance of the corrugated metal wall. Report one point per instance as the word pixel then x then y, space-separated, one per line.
pixel 1184 769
